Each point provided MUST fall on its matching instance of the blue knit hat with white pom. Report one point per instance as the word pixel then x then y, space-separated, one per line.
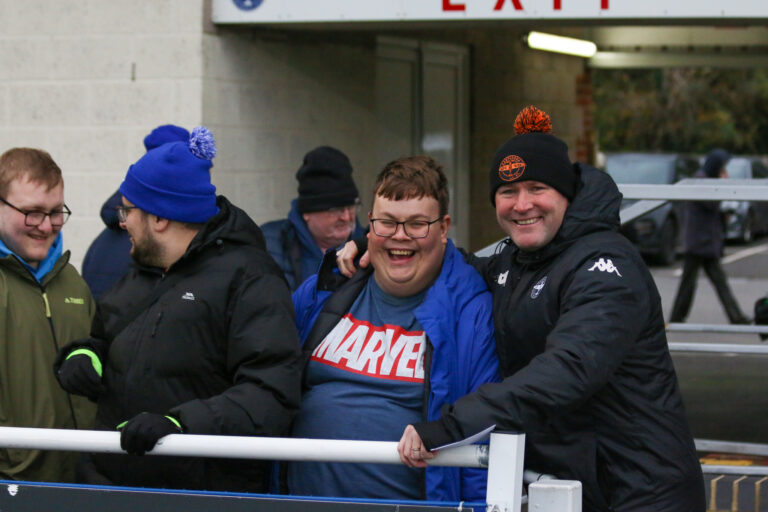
pixel 173 181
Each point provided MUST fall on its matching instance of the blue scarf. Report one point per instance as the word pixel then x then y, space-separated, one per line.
pixel 45 266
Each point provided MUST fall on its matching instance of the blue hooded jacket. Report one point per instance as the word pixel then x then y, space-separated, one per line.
pixel 109 256
pixel 456 316
pixel 291 244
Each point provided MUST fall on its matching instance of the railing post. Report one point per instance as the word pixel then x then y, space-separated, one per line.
pixel 555 496
pixel 505 472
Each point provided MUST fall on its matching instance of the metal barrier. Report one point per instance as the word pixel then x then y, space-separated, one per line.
pixel 503 457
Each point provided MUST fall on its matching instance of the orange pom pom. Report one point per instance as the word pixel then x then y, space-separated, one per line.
pixel 532 120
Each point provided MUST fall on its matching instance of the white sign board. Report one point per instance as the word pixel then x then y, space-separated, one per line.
pixel 334 11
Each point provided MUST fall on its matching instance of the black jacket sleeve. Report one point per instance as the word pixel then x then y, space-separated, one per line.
pixel 601 315
pixel 263 358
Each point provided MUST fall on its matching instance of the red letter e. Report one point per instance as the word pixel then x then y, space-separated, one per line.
pixel 448 6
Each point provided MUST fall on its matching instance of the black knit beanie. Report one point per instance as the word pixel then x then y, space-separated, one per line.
pixel 715 161
pixel 533 154
pixel 325 181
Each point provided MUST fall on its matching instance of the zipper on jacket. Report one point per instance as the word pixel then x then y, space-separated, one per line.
pixel 425 407
pixel 48 311
pixel 49 316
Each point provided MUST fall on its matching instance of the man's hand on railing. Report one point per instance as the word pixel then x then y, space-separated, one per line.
pixel 80 374
pixel 141 433
pixel 412 451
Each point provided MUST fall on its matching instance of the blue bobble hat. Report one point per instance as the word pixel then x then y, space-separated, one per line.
pixel 164 134
pixel 173 180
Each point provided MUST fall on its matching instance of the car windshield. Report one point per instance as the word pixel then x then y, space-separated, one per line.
pixel 650 169
pixel 738 168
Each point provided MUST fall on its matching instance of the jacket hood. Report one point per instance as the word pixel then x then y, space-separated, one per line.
pixel 594 208
pixel 109 212
pixel 231 225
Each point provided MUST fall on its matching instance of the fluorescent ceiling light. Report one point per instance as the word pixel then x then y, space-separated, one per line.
pixel 560 44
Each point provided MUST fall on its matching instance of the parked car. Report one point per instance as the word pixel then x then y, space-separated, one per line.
pixel 657 234
pixel 745 219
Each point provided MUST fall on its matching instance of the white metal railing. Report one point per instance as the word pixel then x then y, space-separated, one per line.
pixel 503 457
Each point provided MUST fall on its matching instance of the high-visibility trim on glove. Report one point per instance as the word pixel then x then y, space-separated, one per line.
pixel 90 353
pixel 175 422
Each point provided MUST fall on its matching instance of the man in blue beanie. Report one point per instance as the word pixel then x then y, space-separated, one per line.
pixel 704 241
pixel 324 215
pixel 108 257
pixel 198 338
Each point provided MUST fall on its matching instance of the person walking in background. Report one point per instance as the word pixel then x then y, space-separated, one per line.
pixel 44 304
pixel 108 258
pixel 704 241
pixel 323 216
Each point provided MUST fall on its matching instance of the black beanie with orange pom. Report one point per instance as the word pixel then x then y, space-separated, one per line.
pixel 533 154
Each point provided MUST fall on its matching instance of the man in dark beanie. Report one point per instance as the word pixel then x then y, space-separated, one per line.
pixel 324 215
pixel 580 337
pixel 197 338
pixel 704 241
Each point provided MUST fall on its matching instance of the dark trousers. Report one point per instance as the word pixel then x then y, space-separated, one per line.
pixel 685 292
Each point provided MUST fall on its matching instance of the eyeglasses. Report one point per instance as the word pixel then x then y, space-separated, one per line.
pixel 412 228
pixel 35 217
pixel 340 210
pixel 122 212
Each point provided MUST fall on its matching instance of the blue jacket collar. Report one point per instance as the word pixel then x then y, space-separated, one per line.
pixel 305 237
pixel 45 266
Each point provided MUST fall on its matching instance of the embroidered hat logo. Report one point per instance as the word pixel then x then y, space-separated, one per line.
pixel 511 168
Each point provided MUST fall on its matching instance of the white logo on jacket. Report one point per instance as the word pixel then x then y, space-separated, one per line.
pixel 536 290
pixel 188 296
pixel 503 278
pixel 384 352
pixel 605 265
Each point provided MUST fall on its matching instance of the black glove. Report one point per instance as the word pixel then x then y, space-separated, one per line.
pixel 77 375
pixel 141 433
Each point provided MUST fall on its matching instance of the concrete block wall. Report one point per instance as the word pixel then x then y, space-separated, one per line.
pixel 87 79
pixel 270 98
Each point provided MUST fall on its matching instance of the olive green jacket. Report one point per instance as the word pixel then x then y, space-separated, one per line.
pixel 36 319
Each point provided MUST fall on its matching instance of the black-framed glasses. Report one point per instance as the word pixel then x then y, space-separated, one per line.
pixel 412 228
pixel 34 218
pixel 122 212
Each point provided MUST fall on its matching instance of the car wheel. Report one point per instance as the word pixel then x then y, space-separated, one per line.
pixel 667 243
pixel 747 230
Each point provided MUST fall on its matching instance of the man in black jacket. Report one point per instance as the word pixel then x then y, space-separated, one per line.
pixel 198 338
pixel 580 337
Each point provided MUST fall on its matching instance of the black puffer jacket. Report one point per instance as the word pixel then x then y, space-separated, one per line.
pixel 588 376
pixel 218 350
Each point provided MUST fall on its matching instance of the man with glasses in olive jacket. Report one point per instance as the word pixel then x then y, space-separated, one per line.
pixel 44 304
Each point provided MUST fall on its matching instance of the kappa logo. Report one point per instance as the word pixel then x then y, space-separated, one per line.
pixel 188 296
pixel 605 265
pixel 511 168
pixel 503 278
pixel 536 290
pixel 384 352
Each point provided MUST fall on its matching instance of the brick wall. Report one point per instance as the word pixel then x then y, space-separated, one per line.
pixel 86 80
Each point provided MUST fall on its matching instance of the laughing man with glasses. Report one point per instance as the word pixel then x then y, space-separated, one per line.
pixel 45 303
pixel 393 344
